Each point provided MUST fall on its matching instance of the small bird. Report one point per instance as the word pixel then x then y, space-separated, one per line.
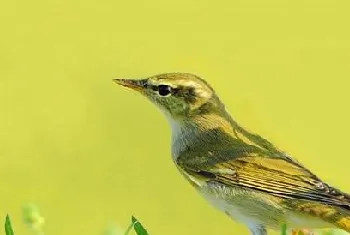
pixel 239 172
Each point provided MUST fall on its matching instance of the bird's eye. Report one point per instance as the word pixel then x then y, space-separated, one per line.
pixel 164 90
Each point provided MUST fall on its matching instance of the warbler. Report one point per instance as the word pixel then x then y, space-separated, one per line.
pixel 239 172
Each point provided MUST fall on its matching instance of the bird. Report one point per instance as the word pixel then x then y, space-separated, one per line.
pixel 238 171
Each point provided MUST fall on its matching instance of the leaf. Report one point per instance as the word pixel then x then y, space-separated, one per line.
pixel 139 229
pixel 284 229
pixel 32 218
pixel 8 227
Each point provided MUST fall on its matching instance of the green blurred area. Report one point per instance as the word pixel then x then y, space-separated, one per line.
pixel 90 153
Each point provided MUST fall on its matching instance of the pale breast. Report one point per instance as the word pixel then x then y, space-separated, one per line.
pixel 244 206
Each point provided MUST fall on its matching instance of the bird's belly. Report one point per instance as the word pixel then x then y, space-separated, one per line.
pixel 244 206
pixel 253 208
pixel 234 211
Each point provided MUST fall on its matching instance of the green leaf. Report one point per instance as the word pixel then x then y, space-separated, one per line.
pixel 8 227
pixel 284 229
pixel 139 229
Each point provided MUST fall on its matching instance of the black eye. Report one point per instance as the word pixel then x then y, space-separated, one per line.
pixel 164 90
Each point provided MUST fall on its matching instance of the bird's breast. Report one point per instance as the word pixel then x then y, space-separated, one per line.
pixel 244 206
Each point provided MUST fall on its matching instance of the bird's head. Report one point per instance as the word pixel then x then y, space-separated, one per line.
pixel 179 95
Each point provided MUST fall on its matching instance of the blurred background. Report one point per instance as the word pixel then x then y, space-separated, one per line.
pixel 92 154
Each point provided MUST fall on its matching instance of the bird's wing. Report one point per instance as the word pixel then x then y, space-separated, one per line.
pixel 281 177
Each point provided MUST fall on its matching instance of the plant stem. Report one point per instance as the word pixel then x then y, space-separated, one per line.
pixel 129 229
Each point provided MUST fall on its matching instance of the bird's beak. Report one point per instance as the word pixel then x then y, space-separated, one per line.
pixel 130 83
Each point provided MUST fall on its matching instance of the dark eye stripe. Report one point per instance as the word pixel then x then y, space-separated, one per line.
pixel 144 83
pixel 175 91
pixel 191 91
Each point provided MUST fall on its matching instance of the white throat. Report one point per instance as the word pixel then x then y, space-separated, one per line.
pixel 177 134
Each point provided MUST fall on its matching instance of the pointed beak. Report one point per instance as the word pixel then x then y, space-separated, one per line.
pixel 134 84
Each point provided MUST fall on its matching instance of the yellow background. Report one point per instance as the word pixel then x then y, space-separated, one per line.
pixel 91 154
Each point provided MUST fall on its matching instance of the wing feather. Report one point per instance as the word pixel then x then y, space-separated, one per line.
pixel 281 177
